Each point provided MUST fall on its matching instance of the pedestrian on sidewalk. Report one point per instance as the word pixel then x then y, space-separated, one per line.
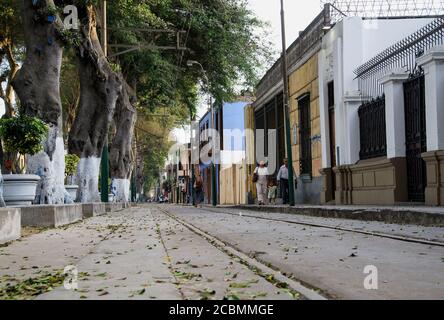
pixel 198 190
pixel 282 178
pixel 261 176
pixel 272 191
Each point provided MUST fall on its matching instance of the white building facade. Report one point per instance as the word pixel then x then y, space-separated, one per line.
pixel 367 69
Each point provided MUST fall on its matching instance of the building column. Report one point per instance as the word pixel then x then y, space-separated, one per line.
pixel 352 102
pixel 433 64
pixel 394 112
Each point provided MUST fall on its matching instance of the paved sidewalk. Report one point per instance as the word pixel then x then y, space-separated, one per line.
pixel 138 253
pixel 329 259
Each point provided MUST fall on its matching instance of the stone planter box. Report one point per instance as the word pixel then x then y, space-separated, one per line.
pixel 93 209
pixel 10 225
pixel 51 215
pixel 19 189
pixel 112 207
pixel 72 190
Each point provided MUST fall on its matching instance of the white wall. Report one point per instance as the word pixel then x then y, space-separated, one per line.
pixel 348 45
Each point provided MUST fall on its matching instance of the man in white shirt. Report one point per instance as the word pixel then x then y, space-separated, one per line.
pixel 282 177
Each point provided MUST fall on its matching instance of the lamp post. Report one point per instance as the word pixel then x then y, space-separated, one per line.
pixel 190 63
pixel 286 110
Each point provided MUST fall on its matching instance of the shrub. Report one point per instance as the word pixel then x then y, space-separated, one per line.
pixel 23 134
pixel 71 161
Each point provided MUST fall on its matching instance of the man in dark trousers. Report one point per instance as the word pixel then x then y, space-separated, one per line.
pixel 282 177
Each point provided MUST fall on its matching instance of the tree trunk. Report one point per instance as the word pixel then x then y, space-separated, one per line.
pixel 99 89
pixel 8 94
pixel 37 86
pixel 121 157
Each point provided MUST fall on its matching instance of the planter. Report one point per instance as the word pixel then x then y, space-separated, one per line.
pixel 72 190
pixel 19 189
pixel 110 197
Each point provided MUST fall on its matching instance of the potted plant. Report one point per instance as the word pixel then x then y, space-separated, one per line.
pixel 71 161
pixel 21 135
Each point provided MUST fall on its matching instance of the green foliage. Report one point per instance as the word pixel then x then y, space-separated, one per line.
pixel 224 36
pixel 71 161
pixel 32 287
pixel 70 37
pixel 10 24
pixel 23 134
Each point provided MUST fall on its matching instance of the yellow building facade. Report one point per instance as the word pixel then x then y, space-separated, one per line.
pixel 305 123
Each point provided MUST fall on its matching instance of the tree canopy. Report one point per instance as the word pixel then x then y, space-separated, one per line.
pixel 224 36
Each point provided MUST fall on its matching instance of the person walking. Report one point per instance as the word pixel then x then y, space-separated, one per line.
pixel 261 176
pixel 272 191
pixel 198 190
pixel 282 178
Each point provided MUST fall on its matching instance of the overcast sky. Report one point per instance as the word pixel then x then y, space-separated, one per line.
pixel 298 15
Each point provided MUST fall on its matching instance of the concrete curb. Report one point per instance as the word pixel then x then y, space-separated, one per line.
pixel 389 215
pixel 113 207
pixel 10 224
pixel 93 209
pixel 50 215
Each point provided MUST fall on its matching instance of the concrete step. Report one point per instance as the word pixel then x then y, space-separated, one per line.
pixel 113 207
pixel 424 216
pixel 93 209
pixel 50 215
pixel 10 225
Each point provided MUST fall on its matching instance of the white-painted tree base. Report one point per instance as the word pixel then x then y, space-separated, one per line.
pixel 51 188
pixel 120 188
pixel 88 180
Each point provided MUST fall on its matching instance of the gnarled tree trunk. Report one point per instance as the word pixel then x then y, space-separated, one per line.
pixel 37 86
pixel 99 89
pixel 121 157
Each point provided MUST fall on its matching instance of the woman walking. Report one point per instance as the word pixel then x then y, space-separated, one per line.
pixel 198 190
pixel 261 177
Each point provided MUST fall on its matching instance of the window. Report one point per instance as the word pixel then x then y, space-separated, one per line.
pixel 331 122
pixel 305 135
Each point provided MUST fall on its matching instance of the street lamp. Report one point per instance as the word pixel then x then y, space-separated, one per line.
pixel 191 63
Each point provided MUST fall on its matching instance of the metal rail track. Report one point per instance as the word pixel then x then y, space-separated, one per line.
pixel 316 225
pixel 309 292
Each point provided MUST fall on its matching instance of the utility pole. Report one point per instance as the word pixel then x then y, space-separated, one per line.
pixel 213 156
pixel 104 173
pixel 287 110
pixel 192 142
pixel 190 63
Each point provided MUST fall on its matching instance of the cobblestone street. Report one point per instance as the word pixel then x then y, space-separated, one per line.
pixel 171 252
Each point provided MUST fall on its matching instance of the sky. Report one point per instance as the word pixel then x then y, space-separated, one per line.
pixel 298 15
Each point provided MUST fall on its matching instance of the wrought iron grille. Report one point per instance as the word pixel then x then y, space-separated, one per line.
pixel 416 136
pixel 388 8
pixel 372 129
pixel 402 55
